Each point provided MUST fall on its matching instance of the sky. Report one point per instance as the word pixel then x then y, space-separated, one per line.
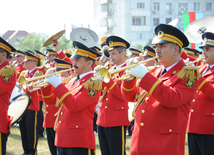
pixel 45 16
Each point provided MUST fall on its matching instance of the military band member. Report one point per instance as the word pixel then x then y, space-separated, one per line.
pixel 78 98
pixel 113 113
pixel 161 120
pixel 40 116
pixel 200 126
pixel 134 52
pixel 147 54
pixel 51 110
pixel 20 66
pixel 192 52
pixel 7 83
pixel 28 123
pixel 51 54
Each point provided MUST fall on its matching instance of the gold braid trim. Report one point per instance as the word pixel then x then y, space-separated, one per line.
pixel 104 93
pixel 57 118
pixel 140 99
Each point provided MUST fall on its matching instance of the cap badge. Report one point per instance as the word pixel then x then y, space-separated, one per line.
pixel 205 41
pixel 160 34
pixel 111 43
pixel 76 49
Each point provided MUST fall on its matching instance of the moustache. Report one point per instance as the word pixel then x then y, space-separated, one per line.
pixel 75 67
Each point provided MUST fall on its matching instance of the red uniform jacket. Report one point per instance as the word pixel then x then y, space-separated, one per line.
pixel 201 119
pixel 74 128
pixel 62 56
pixel 7 85
pixel 113 109
pixel 19 68
pixel 161 121
pixel 34 105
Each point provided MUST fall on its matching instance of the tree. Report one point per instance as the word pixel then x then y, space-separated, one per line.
pixel 34 41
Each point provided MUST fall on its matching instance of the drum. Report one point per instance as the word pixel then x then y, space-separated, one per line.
pixel 131 108
pixel 18 107
pixel 14 93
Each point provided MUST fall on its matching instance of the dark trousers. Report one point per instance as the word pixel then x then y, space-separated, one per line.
pixel 40 118
pixel 74 151
pixel 29 133
pixel 3 142
pixel 112 140
pixel 94 122
pixel 51 139
pixel 199 144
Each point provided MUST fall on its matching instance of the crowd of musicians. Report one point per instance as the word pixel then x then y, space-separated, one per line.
pixel 172 93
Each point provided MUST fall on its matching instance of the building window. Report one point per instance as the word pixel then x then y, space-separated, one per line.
pixel 138 21
pixel 168 20
pixel 115 22
pixel 137 36
pixel 208 6
pixel 169 7
pixel 103 8
pixel 196 6
pixel 140 5
pixel 115 7
pixel 155 21
pixel 157 6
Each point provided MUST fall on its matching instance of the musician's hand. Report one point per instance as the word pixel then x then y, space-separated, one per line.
pixel 57 46
pixel 54 80
pixel 187 62
pixel 132 61
pixel 50 71
pixel 138 71
pixel 30 89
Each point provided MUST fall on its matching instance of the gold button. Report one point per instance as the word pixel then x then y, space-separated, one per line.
pixel 106 99
pixel 59 122
pixel 46 112
pixel 83 80
pixel 77 126
pixel 212 113
pixel 108 91
pixel 193 100
pixel 196 91
pixel 174 72
pixel 143 111
pixel 147 98
pixel 106 107
pixel 61 113
pixel 122 107
pixel 46 105
pixel 141 124
pixel 192 110
pixel 170 130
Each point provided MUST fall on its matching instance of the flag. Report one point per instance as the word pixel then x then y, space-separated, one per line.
pixel 188 18
pixel 73 27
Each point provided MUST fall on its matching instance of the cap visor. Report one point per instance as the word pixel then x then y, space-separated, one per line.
pixel 76 56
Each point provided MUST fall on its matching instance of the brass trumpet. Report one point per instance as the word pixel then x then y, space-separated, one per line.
pixel 105 74
pixel 24 82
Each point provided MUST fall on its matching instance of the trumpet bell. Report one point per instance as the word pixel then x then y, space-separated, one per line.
pixel 104 73
pixel 53 38
pixel 23 82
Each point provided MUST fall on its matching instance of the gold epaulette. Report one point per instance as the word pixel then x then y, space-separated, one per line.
pixel 7 72
pixel 38 73
pixel 190 74
pixel 93 85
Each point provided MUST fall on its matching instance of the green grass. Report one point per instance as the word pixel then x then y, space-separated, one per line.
pixel 14 146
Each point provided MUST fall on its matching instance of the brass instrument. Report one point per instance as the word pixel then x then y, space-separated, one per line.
pixel 24 82
pixel 197 60
pixel 105 74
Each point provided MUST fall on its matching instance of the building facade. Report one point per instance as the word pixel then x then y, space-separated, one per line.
pixel 135 20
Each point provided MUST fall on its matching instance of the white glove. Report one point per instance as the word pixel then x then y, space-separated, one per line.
pixel 187 62
pixel 50 71
pixel 54 80
pixel 98 76
pixel 132 61
pixel 138 71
